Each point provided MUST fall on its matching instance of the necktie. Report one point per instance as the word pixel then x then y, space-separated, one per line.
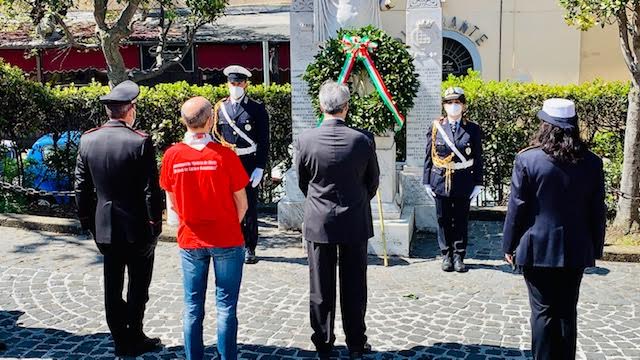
pixel 454 126
pixel 236 105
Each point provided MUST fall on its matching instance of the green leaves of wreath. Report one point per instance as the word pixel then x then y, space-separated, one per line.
pixel 366 108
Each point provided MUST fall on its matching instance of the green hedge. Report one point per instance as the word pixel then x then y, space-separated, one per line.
pixel 505 110
pixel 29 110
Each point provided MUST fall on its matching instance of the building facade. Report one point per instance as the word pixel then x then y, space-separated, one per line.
pixel 520 40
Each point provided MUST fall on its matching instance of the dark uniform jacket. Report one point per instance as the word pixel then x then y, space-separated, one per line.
pixel 468 140
pixel 116 183
pixel 253 120
pixel 338 173
pixel 556 212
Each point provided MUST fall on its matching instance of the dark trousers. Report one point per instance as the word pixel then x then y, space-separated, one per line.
pixel 453 224
pixel 250 222
pixel 553 296
pixel 124 318
pixel 352 261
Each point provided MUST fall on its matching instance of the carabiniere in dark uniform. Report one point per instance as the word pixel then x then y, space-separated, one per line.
pixel 120 201
pixel 243 124
pixel 453 176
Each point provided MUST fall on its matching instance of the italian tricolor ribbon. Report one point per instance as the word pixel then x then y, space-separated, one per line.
pixel 357 48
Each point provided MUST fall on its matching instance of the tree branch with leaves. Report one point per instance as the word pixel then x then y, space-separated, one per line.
pixel 110 35
pixel 585 14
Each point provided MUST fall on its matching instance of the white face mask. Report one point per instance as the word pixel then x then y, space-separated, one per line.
pixel 236 92
pixel 453 109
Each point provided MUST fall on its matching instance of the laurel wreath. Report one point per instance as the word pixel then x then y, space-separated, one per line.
pixel 366 108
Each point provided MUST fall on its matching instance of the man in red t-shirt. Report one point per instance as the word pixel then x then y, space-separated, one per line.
pixel 206 184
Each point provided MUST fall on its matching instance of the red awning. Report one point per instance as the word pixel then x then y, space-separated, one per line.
pixel 67 60
pixel 17 57
pixel 219 56
pixel 284 56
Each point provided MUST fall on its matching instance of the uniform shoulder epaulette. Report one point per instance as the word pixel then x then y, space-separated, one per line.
pixel 141 133
pixel 91 130
pixel 528 148
pixel 257 101
pixel 220 102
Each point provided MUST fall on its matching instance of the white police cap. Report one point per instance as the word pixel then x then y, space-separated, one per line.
pixel 453 93
pixel 237 73
pixel 559 112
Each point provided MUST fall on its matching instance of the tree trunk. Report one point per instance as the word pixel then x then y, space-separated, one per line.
pixel 116 71
pixel 628 216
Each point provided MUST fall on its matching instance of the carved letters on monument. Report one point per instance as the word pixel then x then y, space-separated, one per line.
pixel 413 4
pixel 302 5
pixel 424 21
pixel 302 51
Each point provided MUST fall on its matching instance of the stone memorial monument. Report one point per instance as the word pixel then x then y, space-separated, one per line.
pixel 405 202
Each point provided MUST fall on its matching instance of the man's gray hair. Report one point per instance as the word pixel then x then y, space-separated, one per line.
pixel 333 97
pixel 195 112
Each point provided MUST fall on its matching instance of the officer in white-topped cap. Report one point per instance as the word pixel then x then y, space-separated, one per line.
pixel 243 123
pixel 555 225
pixel 453 176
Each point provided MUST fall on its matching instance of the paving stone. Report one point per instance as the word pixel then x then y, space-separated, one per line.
pixel 54 308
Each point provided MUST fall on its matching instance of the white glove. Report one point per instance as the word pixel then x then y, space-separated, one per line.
pixel 430 191
pixel 475 192
pixel 386 5
pixel 256 177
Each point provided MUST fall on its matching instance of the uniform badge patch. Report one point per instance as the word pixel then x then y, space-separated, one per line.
pixel 247 127
pixel 468 151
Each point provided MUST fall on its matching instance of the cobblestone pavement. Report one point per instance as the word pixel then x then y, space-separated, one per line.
pixel 51 303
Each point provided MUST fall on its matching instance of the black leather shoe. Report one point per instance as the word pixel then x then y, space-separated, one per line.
pixel 447 264
pixel 250 257
pixel 458 264
pixel 122 350
pixel 143 346
pixel 155 341
pixel 359 354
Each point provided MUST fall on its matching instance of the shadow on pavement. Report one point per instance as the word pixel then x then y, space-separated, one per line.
pixel 49 343
pixel 48 238
pixel 485 244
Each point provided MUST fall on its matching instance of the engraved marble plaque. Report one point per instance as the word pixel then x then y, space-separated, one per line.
pixel 302 51
pixel 424 38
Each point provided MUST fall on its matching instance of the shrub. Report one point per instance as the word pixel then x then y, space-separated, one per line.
pixel 29 110
pixel 610 146
pixel 505 110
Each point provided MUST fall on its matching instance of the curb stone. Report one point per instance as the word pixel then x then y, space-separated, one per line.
pixel 72 226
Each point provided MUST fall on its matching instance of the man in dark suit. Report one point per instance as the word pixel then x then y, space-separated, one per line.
pixel 338 173
pixel 119 200
pixel 243 124
pixel 453 176
pixel 555 225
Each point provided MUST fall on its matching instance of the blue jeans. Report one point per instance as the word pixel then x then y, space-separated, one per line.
pixel 227 265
